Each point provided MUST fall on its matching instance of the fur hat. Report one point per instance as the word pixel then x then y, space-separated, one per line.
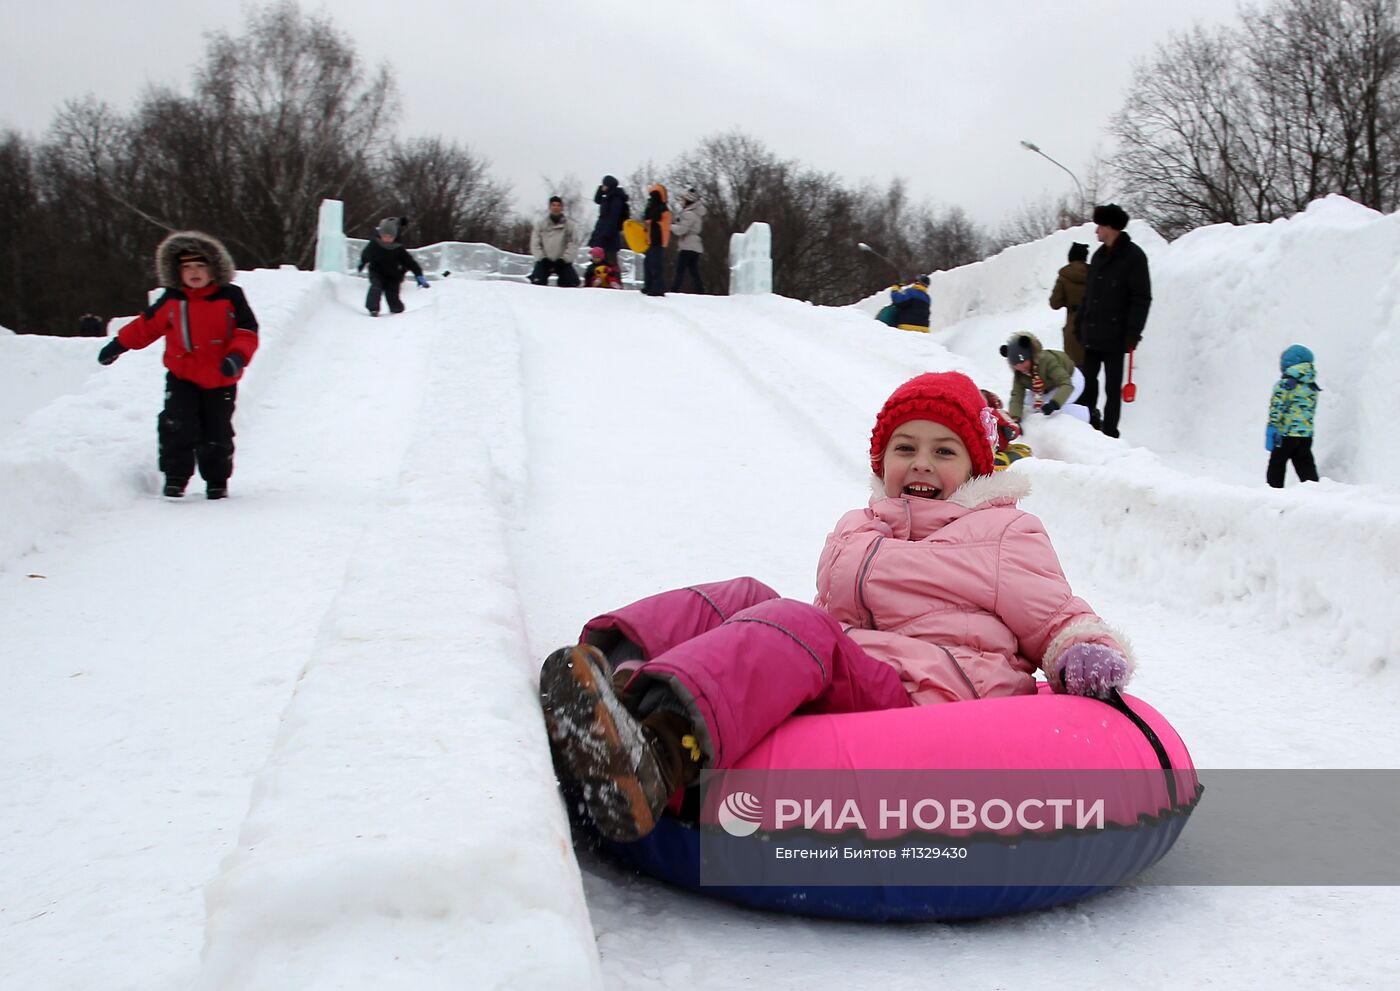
pixel 1021 347
pixel 194 244
pixel 1111 215
pixel 610 181
pixel 1078 251
pixel 949 398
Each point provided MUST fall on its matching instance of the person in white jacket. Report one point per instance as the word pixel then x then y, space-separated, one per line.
pixel 685 228
pixel 554 242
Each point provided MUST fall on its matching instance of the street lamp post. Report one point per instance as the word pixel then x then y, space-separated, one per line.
pixel 1031 146
pixel 871 251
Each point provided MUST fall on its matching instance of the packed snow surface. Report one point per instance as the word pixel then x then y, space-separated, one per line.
pixel 291 739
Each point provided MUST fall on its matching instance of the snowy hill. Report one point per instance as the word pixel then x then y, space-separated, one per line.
pixel 291 739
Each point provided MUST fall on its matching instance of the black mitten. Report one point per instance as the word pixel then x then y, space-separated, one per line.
pixel 111 351
pixel 232 364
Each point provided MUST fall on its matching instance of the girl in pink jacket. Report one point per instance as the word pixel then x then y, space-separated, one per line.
pixel 940 590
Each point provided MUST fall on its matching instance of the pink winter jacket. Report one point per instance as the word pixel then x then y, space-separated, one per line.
pixel 964 597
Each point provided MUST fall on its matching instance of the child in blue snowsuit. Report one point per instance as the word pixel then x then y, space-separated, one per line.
pixel 1291 410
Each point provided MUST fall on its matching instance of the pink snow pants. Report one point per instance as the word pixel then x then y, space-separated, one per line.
pixel 743 660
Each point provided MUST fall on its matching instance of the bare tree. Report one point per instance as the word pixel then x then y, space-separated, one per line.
pixel 447 191
pixel 1250 123
pixel 19 210
pixel 303 116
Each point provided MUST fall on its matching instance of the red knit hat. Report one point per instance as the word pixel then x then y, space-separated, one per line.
pixel 949 398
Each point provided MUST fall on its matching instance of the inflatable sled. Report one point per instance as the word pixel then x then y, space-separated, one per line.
pixel 1013 453
pixel 1062 797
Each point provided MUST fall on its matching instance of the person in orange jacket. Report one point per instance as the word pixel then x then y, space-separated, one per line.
pixel 657 217
pixel 210 336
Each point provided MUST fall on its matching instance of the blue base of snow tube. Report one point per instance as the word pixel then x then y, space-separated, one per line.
pixel 1109 857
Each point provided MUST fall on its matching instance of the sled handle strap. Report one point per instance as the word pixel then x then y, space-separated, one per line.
pixel 1116 700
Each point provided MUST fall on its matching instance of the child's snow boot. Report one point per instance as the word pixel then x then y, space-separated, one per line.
pixel 175 487
pixel 627 768
pixel 216 491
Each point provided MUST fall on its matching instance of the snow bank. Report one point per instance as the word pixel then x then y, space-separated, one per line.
pixel 40 369
pixel 1318 560
pixel 406 831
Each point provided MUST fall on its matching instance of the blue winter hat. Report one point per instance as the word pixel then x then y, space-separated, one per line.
pixel 1294 354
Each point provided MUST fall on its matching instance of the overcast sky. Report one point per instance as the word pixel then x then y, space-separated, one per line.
pixel 939 92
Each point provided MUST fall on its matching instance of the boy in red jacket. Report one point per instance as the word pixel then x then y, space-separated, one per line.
pixel 210 336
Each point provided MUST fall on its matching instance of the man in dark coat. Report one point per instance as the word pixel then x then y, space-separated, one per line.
pixel 1114 312
pixel 612 211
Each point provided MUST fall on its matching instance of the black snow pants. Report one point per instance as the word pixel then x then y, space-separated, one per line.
pixel 545 267
pixel 1112 364
pixel 390 290
pixel 688 261
pixel 1297 450
pixel 654 271
pixel 196 428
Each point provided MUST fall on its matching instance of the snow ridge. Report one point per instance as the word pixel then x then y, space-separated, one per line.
pixel 380 819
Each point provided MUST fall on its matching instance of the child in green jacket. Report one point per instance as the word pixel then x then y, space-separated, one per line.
pixel 1291 410
pixel 1051 377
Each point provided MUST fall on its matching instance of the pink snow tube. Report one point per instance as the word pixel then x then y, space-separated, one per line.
pixel 1001 753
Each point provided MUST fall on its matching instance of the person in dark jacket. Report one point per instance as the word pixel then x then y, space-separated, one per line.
pixel 1117 296
pixel 210 336
pixel 1068 294
pixel 613 209
pixel 658 221
pixel 388 260
pixel 911 305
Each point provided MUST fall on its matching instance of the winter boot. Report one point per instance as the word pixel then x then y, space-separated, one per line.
pixel 175 487
pixel 626 769
pixel 1095 418
pixel 216 491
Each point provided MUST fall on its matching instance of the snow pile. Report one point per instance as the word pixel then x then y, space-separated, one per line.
pixel 40 369
pixel 1315 560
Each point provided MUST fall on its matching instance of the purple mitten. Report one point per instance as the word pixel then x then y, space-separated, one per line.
pixel 1092 669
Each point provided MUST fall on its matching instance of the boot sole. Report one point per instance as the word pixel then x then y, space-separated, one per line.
pixel 598 743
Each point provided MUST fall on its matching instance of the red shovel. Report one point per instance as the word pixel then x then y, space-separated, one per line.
pixel 1129 390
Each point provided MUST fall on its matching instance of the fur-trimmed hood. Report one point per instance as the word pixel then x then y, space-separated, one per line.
pixel 169 251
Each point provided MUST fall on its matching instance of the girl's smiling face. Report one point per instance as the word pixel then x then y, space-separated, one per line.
pixel 925 460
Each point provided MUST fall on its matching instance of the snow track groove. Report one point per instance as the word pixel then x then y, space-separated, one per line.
pixel 347 870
